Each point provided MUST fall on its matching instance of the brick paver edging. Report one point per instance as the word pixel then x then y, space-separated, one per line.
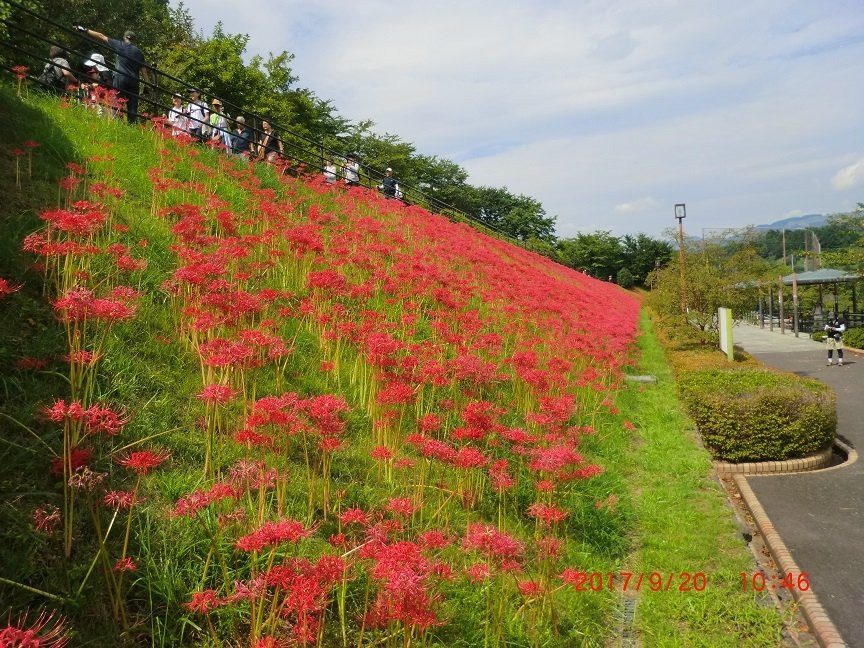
pixel 820 625
pixel 815 461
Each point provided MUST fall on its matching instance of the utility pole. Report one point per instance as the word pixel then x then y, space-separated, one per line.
pixel 681 214
pixel 784 247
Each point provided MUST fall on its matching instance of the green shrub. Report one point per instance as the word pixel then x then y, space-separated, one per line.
pixel 818 336
pixel 854 338
pixel 625 278
pixel 759 415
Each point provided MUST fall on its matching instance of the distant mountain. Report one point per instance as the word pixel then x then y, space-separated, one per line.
pixel 798 222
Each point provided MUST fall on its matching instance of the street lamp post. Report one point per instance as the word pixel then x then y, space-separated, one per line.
pixel 681 214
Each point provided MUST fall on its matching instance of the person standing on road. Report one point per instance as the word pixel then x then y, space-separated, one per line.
pixel 834 330
pixel 130 62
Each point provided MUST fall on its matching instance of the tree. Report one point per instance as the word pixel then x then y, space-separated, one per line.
pixel 641 254
pixel 598 254
pixel 712 278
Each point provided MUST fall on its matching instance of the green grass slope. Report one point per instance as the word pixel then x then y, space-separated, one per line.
pixel 342 421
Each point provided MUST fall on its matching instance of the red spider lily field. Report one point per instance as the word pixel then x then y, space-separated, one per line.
pixel 244 408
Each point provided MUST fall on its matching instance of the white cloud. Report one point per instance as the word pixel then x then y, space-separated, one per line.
pixel 849 176
pixel 743 113
pixel 636 206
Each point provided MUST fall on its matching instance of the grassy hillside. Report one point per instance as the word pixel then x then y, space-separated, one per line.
pixel 241 408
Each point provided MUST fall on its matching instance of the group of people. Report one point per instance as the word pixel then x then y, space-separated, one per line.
pixel 96 77
pixel 205 123
pixel 211 124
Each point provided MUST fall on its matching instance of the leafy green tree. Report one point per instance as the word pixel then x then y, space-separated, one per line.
pixel 625 278
pixel 641 254
pixel 711 278
pixel 598 254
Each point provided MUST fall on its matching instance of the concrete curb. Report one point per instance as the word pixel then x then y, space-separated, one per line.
pixel 815 461
pixel 820 624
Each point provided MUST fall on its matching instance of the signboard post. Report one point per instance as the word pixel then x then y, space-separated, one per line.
pixel 724 321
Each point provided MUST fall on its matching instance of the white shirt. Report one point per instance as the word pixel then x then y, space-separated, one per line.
pixel 197 110
pixel 351 171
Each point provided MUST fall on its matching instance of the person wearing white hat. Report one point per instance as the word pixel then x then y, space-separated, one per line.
pixel 130 63
pixel 96 64
pixel 388 184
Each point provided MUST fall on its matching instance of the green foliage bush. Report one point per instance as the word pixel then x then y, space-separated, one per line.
pixel 818 336
pixel 625 278
pixel 854 338
pixel 759 415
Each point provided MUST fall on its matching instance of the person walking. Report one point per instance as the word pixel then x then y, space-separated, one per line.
pixel 130 63
pixel 834 329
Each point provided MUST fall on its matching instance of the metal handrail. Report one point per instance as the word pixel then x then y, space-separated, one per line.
pixel 433 202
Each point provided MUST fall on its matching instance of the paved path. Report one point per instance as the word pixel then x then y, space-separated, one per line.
pixel 820 515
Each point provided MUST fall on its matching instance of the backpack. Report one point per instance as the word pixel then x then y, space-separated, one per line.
pixel 49 77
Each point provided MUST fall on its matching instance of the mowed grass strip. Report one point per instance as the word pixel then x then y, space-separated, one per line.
pixel 684 526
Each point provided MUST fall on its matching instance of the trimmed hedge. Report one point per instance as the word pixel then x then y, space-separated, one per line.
pixel 854 338
pixel 758 414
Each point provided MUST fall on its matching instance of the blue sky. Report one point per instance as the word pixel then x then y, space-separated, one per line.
pixel 607 111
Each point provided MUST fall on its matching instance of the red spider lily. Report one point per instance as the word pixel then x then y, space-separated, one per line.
pixel 143 461
pixel 381 453
pixel 216 394
pixel 433 539
pixel 530 589
pixel 119 499
pixel 125 565
pixel 547 514
pixel 78 458
pixel 68 183
pixel 395 393
pixel 354 516
pixel 400 506
pixel 574 577
pixel 20 73
pixel 493 543
pixel 549 548
pixel 253 474
pixel 7 288
pixel 95 418
pixel 87 480
pixel 28 363
pixel 81 357
pixel 430 423
pixel 203 601
pixel 478 572
pixel 45 519
pixel 273 533
pixel 189 505
pixel 405 596
pixel 46 631
pixel 81 304
pixel 82 219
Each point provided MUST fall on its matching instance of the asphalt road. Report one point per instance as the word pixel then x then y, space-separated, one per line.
pixel 820 515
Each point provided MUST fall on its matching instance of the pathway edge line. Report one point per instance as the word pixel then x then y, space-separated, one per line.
pixel 820 624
